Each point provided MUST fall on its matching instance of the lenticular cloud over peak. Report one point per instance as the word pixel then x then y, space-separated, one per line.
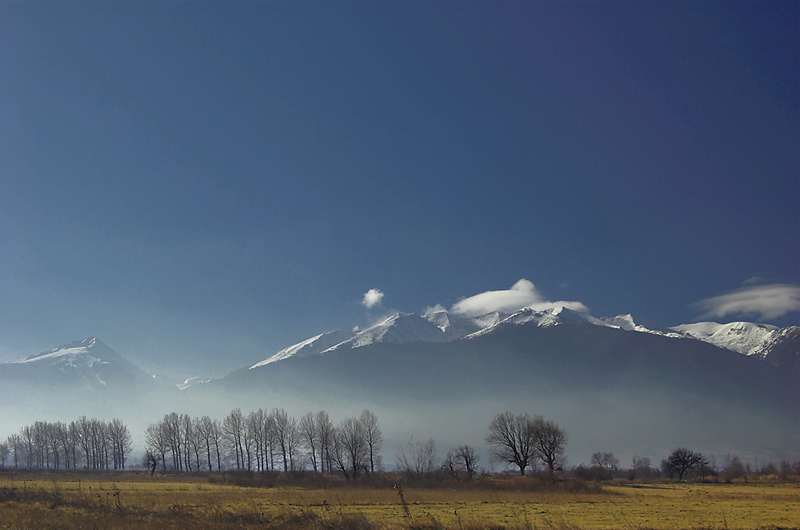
pixel 521 295
pixel 763 301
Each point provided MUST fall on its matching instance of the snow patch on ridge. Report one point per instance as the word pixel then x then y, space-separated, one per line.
pixel 455 327
pixel 547 318
pixel 627 323
pixel 311 346
pixel 742 337
pixel 397 329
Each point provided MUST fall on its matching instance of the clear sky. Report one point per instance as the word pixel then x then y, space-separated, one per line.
pixel 200 184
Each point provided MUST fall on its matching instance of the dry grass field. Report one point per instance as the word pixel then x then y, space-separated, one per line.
pixel 136 500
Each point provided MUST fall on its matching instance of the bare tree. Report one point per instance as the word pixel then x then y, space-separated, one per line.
pixel 234 430
pixel 286 436
pixel 641 466
pixel 350 451
pixel 120 442
pixel 27 436
pixel 606 463
pixel 461 459
pixel 191 443
pixel 682 460
pixel 5 450
pixel 17 447
pixel 150 461
pixel 310 436
pixel 53 440
pixel 173 430
pixel 157 443
pixel 194 441
pixel 416 458
pixel 513 439
pixel 97 441
pixel 73 434
pixel 326 433
pixel 466 455
pixel 250 440
pixel 257 431
pixel 452 464
pixel 733 468
pixel 372 436
pixel 39 437
pixel 205 430
pixel 271 440
pixel 550 442
pixel 606 460
pixel 218 439
pixel 65 440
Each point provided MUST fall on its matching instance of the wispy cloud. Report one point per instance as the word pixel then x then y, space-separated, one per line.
pixel 522 294
pixel 764 302
pixel 372 298
pixel 754 280
pixel 433 309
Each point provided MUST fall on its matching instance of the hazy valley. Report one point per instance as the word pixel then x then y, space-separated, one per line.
pixel 612 384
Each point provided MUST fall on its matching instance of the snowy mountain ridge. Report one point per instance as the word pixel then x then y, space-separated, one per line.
pixel 441 326
pixel 746 338
pixel 79 351
pixel 314 345
pixel 91 363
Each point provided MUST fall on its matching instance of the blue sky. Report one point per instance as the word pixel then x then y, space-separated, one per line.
pixel 200 184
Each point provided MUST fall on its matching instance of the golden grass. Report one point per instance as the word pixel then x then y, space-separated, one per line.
pixel 132 500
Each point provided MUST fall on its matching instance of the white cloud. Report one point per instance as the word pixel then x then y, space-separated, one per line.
pixel 372 298
pixel 754 280
pixel 438 308
pixel 522 294
pixel 764 302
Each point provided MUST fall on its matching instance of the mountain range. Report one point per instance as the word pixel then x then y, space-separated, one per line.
pixel 612 382
pixel 759 340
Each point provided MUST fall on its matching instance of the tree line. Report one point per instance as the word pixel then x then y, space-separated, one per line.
pixel 273 440
pixel 265 441
pixel 90 443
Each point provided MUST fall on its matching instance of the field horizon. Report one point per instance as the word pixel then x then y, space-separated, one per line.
pixel 135 499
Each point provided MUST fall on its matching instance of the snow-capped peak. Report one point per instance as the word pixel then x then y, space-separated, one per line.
pixel 314 345
pixel 541 318
pixel 622 322
pixel 82 361
pixel 628 323
pixel 743 337
pixel 397 329
pixel 455 327
pixel 73 350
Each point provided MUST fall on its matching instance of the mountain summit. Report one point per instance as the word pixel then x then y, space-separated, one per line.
pixel 85 363
pixel 743 337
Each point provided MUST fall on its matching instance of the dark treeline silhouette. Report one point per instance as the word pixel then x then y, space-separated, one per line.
pixel 264 441
pixel 84 443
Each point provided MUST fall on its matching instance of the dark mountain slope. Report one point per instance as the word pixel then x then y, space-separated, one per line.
pixel 625 390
